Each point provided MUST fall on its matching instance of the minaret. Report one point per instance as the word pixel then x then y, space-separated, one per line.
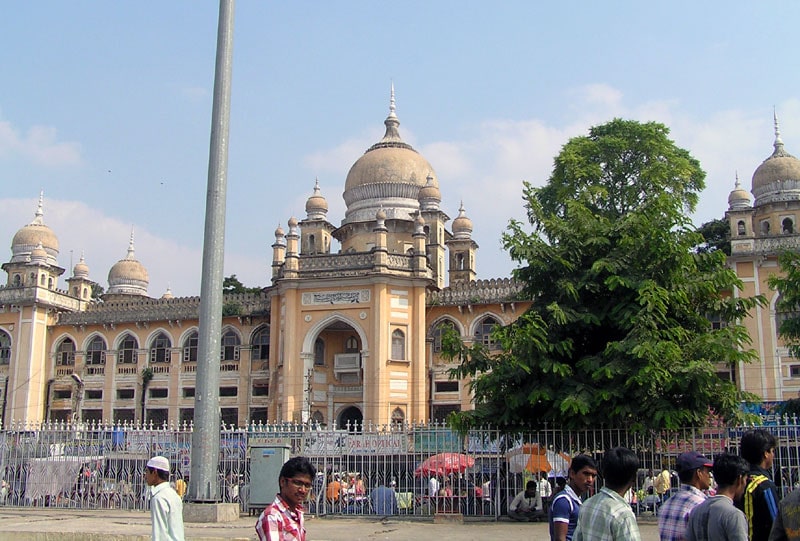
pixel 462 249
pixel 315 230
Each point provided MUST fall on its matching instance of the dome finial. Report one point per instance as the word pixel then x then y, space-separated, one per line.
pixel 738 184
pixel 778 140
pixel 392 105
pixel 39 218
pixel 131 251
pixel 392 134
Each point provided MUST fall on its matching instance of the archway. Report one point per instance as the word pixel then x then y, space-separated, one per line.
pixel 351 418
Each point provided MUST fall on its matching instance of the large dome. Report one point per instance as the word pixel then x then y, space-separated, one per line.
pixel 33 234
pixel 778 177
pixel 389 175
pixel 128 276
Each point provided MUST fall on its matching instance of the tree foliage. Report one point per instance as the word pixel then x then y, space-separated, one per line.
pixel 619 332
pixel 788 286
pixel 716 236
pixel 231 284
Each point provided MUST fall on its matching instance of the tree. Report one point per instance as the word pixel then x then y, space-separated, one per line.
pixel 716 236
pixel 788 286
pixel 619 333
pixel 231 284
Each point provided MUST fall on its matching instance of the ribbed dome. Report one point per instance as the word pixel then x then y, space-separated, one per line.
pixel 462 226
pixel 33 234
pixel 81 269
pixel 389 174
pixel 778 177
pixel 316 205
pixel 739 198
pixel 128 276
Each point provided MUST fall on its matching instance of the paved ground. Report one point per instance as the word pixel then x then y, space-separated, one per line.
pixel 24 524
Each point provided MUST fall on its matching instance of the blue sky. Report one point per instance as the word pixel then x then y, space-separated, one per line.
pixel 106 106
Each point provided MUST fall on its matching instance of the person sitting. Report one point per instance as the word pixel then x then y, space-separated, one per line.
pixel 384 501
pixel 523 507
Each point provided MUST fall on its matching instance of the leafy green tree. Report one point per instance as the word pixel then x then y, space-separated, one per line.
pixel 231 284
pixel 787 284
pixel 716 236
pixel 619 333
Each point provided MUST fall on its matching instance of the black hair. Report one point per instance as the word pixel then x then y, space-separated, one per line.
pixel 755 443
pixel 686 476
pixel 728 468
pixel 582 461
pixel 163 475
pixel 619 467
pixel 298 464
pixel 530 485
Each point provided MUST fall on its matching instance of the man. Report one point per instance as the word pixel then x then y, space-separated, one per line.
pixel 662 483
pixel 282 520
pixel 545 490
pixel 383 500
pixel 716 518
pixel 760 500
pixel 694 472
pixel 567 502
pixel 166 507
pixel 606 516
pixel 787 524
pixel 433 486
pixel 523 506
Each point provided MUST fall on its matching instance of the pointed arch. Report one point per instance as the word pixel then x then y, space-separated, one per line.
pixel 189 344
pixel 259 343
pixel 482 328
pixel 230 344
pixel 312 334
pixel 5 347
pixel 127 348
pixel 95 348
pixel 65 351
pixel 160 347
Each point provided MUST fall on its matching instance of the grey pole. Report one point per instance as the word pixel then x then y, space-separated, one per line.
pixel 203 485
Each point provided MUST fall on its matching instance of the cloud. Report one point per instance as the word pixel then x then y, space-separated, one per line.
pixel 39 145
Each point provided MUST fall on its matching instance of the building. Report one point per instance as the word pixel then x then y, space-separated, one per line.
pixel 763 226
pixel 338 337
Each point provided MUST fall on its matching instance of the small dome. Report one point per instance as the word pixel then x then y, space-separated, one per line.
pixel 39 255
pixel 316 205
pixel 81 269
pixel 389 170
pixel 292 222
pixel 128 276
pixel 279 232
pixel 168 294
pixel 778 177
pixel 739 198
pixel 380 215
pixel 430 196
pixel 30 236
pixel 462 226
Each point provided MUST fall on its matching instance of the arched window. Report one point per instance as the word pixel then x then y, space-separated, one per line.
pixel 483 332
pixel 65 354
pixel 437 334
pixel 230 346
pixel 127 350
pixel 190 348
pixel 317 418
pixel 42 279
pixel 311 243
pixel 5 348
pixel 765 227
pixel 351 345
pixel 96 351
pixel 319 352
pixel 740 229
pixel 260 344
pixel 459 261
pixel 398 417
pixel 398 345
pixel 17 280
pixel 159 349
pixel 787 226
pixel 50 283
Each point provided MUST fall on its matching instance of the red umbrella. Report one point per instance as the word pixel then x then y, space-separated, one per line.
pixel 444 464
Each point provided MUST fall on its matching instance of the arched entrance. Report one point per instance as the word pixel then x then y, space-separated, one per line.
pixel 351 417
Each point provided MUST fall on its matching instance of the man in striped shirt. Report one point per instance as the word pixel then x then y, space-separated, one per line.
pixel 694 471
pixel 282 520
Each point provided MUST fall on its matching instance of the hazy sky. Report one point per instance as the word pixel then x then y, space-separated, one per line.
pixel 106 106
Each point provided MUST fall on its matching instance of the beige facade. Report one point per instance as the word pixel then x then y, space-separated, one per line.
pixel 338 337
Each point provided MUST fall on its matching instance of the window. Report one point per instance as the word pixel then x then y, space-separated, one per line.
pixel 17 280
pixel 437 334
pixel 94 394
pixel 440 412
pixel 787 226
pixel 187 416
pixel 446 386
pixel 188 392
pixel 483 332
pixel 159 393
pixel 319 352
pixel 740 229
pixel 351 345
pixel 229 416
pixel 190 348
pixel 62 394
pixel 398 417
pixel 765 227
pixel 159 349
pixel 228 391
pixel 258 415
pixel 5 348
pixel 127 350
pixel 96 351
pixel 125 394
pixel 782 314
pixel 794 371
pixel 230 346
pixel 158 417
pixel 717 322
pixel 124 415
pixel 398 345
pixel 260 344
pixel 261 388
pixel 65 354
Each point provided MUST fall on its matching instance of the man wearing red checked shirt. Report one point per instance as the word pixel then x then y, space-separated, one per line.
pixel 282 520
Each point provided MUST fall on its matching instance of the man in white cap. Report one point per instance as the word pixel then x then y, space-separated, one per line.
pixel 166 507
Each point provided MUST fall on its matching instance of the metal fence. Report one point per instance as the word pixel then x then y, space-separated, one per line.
pixel 101 466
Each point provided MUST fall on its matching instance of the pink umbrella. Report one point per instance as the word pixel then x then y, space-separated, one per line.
pixel 444 464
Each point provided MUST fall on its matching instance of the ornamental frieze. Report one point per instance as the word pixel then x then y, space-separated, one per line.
pixel 335 297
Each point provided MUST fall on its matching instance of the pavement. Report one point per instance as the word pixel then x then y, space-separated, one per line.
pixel 49 524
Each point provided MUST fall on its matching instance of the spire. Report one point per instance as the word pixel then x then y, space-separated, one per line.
pixel 778 141
pixel 392 106
pixel 738 184
pixel 131 251
pixel 392 122
pixel 316 185
pixel 39 219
